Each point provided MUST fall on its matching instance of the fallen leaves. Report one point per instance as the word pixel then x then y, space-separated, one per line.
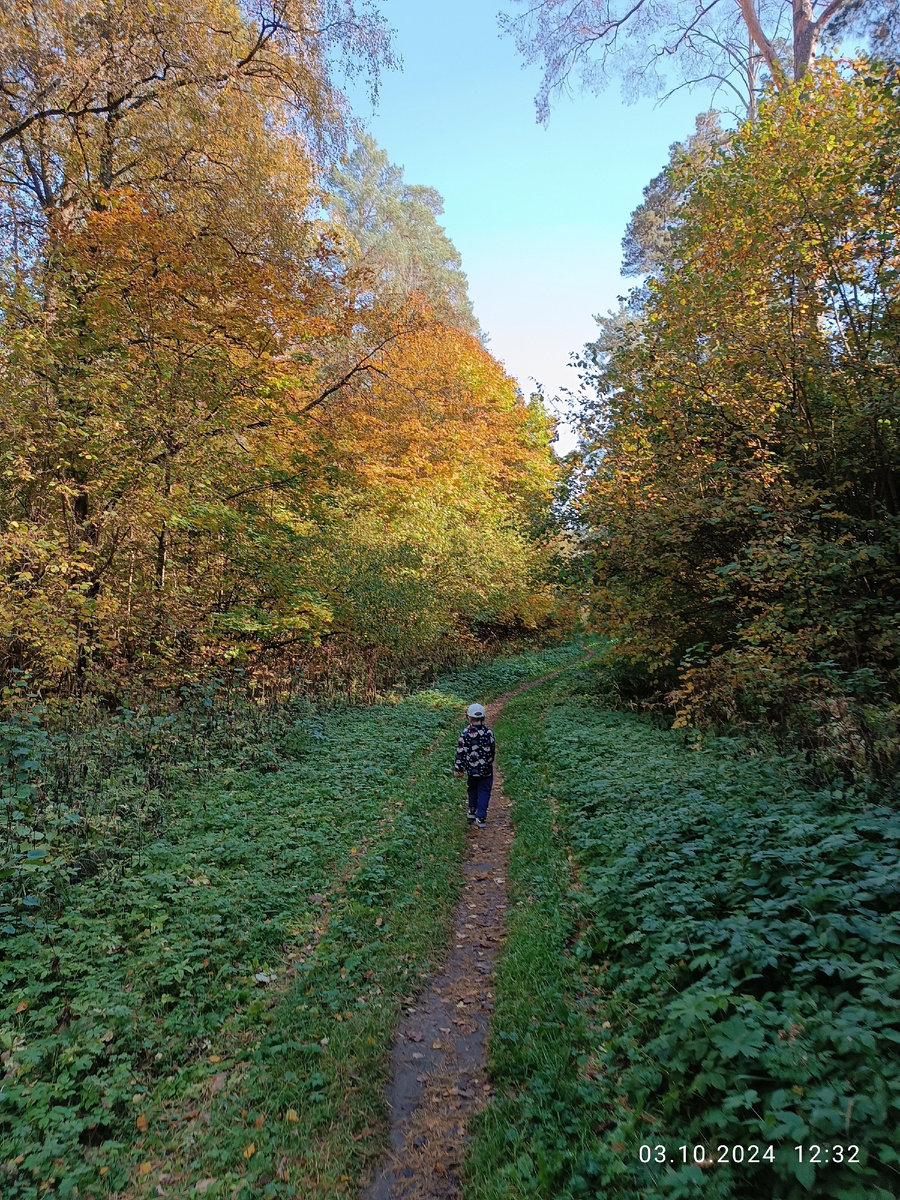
pixel 250 1150
pixel 142 1123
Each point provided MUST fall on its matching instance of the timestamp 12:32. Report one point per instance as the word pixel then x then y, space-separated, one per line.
pixel 707 1156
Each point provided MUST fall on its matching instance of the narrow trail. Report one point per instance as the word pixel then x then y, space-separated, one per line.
pixel 438 1062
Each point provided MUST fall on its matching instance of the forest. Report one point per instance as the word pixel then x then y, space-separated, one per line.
pixel 272 514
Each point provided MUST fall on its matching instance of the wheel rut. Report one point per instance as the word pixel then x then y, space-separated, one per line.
pixel 439 1075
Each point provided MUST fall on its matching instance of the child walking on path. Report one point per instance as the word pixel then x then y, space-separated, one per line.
pixel 475 752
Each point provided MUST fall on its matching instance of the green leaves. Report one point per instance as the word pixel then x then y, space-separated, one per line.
pixel 741 461
pixel 736 1037
pixel 215 936
pixel 743 985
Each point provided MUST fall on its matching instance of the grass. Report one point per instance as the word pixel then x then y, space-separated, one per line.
pixel 211 917
pixel 704 951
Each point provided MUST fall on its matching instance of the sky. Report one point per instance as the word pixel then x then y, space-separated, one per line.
pixel 537 213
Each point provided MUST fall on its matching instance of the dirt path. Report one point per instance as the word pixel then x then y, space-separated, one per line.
pixel 438 1073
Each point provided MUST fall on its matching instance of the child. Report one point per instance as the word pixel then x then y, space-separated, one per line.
pixel 475 752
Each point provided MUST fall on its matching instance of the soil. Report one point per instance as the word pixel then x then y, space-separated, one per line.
pixel 439 1075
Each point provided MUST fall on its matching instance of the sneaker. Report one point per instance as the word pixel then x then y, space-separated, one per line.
pixel 470 815
pixel 480 824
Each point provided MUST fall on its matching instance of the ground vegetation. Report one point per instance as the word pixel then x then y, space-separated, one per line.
pixel 210 916
pixel 702 953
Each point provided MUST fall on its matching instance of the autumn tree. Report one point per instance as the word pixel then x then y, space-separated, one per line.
pixel 98 96
pixel 216 481
pixel 430 537
pixel 743 482
pixel 203 380
pixel 163 392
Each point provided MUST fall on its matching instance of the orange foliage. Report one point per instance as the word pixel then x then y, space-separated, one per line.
pixel 205 437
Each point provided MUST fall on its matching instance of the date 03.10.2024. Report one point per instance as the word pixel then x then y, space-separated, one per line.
pixel 708 1156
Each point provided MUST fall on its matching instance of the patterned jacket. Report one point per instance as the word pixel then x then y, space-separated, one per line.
pixel 475 751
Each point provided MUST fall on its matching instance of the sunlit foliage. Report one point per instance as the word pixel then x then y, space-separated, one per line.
pixel 744 490
pixel 225 439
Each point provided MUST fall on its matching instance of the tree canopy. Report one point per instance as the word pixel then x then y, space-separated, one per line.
pixel 237 425
pixel 655 46
pixel 395 231
pixel 742 456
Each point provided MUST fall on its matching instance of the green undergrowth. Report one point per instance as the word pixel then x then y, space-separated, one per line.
pixel 210 918
pixel 704 952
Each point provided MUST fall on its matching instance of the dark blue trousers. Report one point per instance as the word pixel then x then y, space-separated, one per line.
pixel 480 794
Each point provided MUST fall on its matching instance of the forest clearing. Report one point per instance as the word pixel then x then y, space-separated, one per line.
pixel 212 1012
pixel 276 521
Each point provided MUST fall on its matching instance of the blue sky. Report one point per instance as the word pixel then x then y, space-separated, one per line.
pixel 537 213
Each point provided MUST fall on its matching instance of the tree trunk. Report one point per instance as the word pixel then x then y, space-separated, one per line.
pixel 806 35
pixel 766 49
pixel 162 541
pixel 753 61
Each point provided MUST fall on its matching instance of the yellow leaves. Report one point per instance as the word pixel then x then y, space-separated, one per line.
pixel 249 1151
pixel 242 427
pixel 292 1116
pixel 142 1123
pixel 145 1168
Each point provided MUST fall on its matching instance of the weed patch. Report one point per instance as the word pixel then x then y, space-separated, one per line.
pixel 720 968
pixel 210 919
